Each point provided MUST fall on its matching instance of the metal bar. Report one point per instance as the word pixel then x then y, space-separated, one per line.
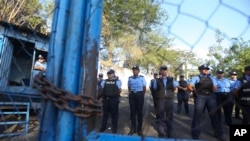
pixel 54 70
pixel 89 58
pixel 14 122
pixel 8 113
pixel 71 67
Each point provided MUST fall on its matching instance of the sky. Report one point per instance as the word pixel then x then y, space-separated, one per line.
pixel 193 22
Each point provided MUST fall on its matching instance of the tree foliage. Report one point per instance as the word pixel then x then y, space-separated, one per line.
pixel 232 58
pixel 26 13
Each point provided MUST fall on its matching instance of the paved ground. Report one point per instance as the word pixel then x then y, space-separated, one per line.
pixel 182 122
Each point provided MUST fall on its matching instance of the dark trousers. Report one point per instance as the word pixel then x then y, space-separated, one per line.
pixel 200 103
pixel 136 101
pixel 237 107
pixel 246 114
pixel 224 101
pixel 110 106
pixel 165 109
pixel 182 98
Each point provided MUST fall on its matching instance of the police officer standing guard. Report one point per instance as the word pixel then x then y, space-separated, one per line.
pixel 110 94
pixel 182 95
pixel 203 87
pixel 223 96
pixel 152 90
pixel 165 87
pixel 242 91
pixel 137 88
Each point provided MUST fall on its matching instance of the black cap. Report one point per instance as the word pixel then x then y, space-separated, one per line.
pixel 135 68
pixel 156 73
pixel 163 68
pixel 100 75
pixel 220 71
pixel 204 66
pixel 247 68
pixel 233 73
pixel 111 71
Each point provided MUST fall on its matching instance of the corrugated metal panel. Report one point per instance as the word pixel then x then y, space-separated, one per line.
pixel 6 57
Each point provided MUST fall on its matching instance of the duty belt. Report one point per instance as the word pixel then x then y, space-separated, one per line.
pixel 136 92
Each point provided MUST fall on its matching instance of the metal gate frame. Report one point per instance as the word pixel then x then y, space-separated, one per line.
pixel 16 106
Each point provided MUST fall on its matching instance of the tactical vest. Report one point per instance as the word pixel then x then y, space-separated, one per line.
pixel 160 92
pixel 205 86
pixel 110 89
pixel 183 84
pixel 244 92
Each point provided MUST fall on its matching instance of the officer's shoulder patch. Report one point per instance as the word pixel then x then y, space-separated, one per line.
pixel 130 76
pixel 141 76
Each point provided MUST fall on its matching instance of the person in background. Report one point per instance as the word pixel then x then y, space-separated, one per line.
pixel 99 87
pixel 40 64
pixel 153 91
pixel 223 96
pixel 233 79
pixel 241 90
pixel 137 88
pixel 182 95
pixel 165 87
pixel 110 95
pixel 203 87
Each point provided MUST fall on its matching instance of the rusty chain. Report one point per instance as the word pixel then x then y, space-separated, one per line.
pixel 86 106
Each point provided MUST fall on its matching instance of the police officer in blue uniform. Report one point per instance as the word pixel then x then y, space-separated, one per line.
pixel 165 87
pixel 111 89
pixel 182 95
pixel 203 87
pixel 242 90
pixel 224 97
pixel 151 85
pixel 137 88
pixel 233 79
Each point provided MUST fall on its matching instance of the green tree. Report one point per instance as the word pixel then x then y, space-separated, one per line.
pixel 130 18
pixel 233 58
pixel 26 13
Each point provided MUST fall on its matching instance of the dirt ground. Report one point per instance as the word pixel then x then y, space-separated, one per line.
pixel 182 123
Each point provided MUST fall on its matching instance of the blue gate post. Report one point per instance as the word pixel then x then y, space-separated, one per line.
pixel 71 69
pixel 74 46
pixel 55 57
pixel 90 56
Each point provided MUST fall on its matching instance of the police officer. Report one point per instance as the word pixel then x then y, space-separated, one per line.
pixel 242 90
pixel 137 88
pixel 165 87
pixel 203 87
pixel 99 87
pixel 152 90
pixel 182 95
pixel 223 96
pixel 233 79
pixel 111 91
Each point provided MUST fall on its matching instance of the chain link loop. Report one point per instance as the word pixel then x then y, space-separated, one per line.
pixel 86 106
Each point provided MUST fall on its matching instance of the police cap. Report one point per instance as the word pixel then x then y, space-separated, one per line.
pixel 135 68
pixel 233 73
pixel 163 68
pixel 155 73
pixel 110 71
pixel 204 66
pixel 100 75
pixel 247 68
pixel 220 71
